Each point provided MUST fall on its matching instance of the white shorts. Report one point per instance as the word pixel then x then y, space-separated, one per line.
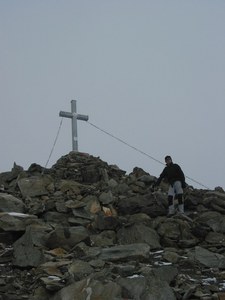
pixel 175 189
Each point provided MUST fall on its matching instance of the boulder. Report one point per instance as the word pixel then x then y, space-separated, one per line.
pixel 9 203
pixel 208 258
pixel 29 250
pixel 36 186
pixel 66 237
pixel 139 233
pixel 89 289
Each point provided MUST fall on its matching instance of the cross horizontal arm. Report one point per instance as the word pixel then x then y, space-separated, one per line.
pixel 82 117
pixel 71 115
pixel 65 114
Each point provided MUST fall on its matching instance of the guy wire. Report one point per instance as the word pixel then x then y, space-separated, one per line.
pixel 140 151
pixel 56 138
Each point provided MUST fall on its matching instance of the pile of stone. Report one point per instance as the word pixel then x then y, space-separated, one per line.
pixel 86 230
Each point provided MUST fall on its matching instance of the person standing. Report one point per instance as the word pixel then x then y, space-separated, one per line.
pixel 176 179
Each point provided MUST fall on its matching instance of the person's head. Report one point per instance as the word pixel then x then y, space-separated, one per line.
pixel 168 160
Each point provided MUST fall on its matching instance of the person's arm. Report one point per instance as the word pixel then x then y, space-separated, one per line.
pixel 161 176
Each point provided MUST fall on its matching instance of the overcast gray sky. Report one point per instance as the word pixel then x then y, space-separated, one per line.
pixel 150 72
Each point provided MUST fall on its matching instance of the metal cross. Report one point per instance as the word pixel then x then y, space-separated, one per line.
pixel 74 116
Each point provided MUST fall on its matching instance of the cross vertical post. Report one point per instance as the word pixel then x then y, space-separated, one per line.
pixel 74 125
pixel 74 117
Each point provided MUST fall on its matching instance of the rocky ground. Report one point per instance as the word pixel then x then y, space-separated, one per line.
pixel 84 230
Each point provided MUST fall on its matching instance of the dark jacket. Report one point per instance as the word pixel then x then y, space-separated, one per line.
pixel 172 173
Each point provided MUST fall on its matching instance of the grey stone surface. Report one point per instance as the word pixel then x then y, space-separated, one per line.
pixel 86 230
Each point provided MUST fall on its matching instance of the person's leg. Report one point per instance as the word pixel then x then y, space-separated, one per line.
pixel 170 201
pixel 179 192
pixel 180 203
pixel 171 206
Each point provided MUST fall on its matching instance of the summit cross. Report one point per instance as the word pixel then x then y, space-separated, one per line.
pixel 74 116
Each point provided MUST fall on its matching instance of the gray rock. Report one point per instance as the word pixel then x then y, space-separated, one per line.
pixel 54 217
pixel 125 252
pixel 89 289
pixel 35 186
pixel 141 204
pixel 147 178
pixel 166 273
pixel 28 252
pixel 80 269
pixel 112 183
pixel 102 222
pixel 215 220
pixel 66 237
pixel 9 203
pixel 158 289
pixel 16 221
pixel 106 198
pixel 133 287
pixel 139 233
pixel 208 258
pixel 104 238
pixel 216 239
